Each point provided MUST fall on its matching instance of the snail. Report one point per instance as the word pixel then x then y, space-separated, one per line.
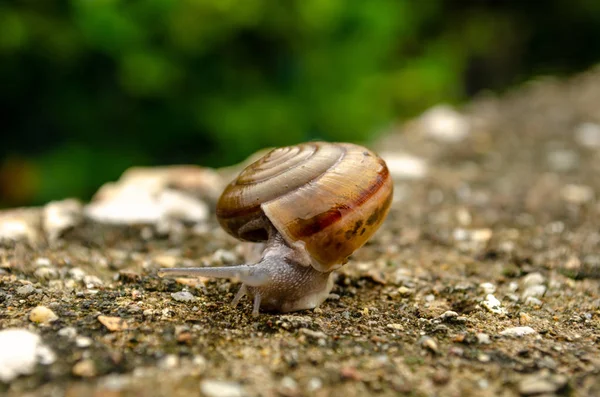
pixel 313 204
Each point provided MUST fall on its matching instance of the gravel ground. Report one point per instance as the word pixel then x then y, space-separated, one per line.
pixel 484 280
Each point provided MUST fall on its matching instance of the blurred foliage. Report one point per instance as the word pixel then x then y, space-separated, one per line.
pixel 90 87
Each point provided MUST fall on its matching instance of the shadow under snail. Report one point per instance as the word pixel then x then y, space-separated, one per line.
pixel 313 204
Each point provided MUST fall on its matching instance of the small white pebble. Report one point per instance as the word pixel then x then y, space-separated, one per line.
pixel 534 291
pixel 534 278
pixel 41 262
pixel 518 331
pixel 68 332
pixel 183 296
pixel 77 274
pixel 532 301
pixel 20 351
pixel 170 361
pixel 445 124
pixel 492 304
pixel 487 288
pixel 483 339
pixel 215 388
pixel 83 341
pixel 588 135
pixel 314 384
pixel 449 314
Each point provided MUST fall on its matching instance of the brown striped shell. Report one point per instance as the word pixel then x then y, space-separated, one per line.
pixel 328 197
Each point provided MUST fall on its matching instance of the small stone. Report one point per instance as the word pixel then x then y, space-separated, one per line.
pixel 542 383
pixel 20 351
pixel 314 384
pixel 577 194
pixel 405 166
pixel 532 301
pixel 46 273
pixel 395 326
pixel 534 291
pixel 42 315
pixel 493 305
pixel 170 361
pixel 518 331
pixel 77 273
pixel 313 334
pixel 25 290
pixel 483 339
pixel 83 342
pixel 487 288
pixel 445 124
pixel 41 262
pixel 534 278
pixel 92 281
pixel 429 343
pixel 84 368
pixel 215 388
pixel 68 332
pixel 472 235
pixel 113 323
pixel 484 358
pixel 524 318
pixel 448 315
pixel 183 296
pixel 288 386
pixel 60 216
pixel 588 135
pixel 20 225
pixel 224 257
pixel 404 291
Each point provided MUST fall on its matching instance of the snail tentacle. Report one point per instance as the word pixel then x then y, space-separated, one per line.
pixel 248 274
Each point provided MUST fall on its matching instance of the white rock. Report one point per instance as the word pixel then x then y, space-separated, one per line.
pixel 42 262
pixel 484 339
pixel 20 225
pixel 405 166
pixel 139 205
pixel 493 305
pixel 532 301
pixel 68 332
pixel 534 291
pixel 20 351
pixel 588 135
pixel 518 331
pixel 445 124
pixel 83 341
pixel 215 388
pixel 60 216
pixel 534 278
pixel 150 195
pixel 487 288
pixel 183 296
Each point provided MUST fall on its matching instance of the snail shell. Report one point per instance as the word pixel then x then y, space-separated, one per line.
pixel 327 197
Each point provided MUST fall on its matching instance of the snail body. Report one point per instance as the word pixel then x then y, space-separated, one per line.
pixel 314 204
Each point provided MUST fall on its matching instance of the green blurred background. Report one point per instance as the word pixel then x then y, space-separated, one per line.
pixel 91 87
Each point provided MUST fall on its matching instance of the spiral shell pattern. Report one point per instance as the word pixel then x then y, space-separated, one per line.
pixel 328 197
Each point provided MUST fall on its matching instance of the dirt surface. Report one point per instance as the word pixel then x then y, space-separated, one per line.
pixel 502 231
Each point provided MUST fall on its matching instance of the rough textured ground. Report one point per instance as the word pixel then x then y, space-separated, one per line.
pixel 511 211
